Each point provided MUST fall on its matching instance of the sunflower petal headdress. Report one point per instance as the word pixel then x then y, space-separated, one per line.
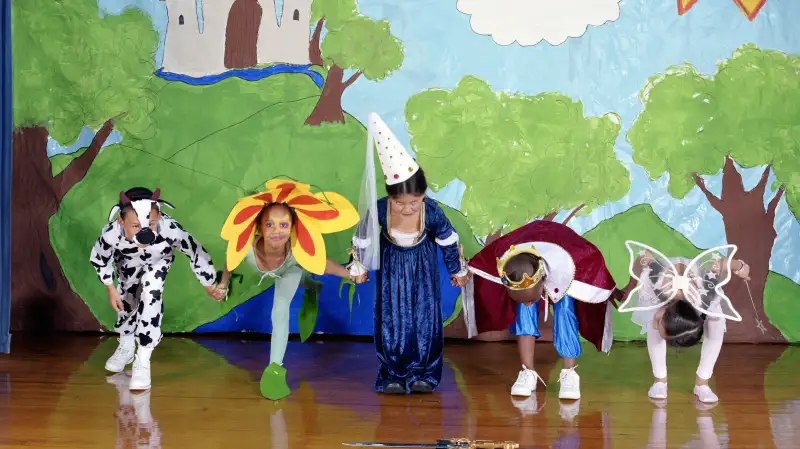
pixel 316 214
pixel 527 281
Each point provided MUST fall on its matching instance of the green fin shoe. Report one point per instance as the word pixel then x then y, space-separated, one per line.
pixel 273 382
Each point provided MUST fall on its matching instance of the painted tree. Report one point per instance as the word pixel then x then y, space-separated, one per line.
pixel 71 68
pixel 520 156
pixel 746 114
pixel 352 42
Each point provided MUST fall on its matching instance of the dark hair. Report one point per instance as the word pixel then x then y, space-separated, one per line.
pixel 135 194
pixel 520 265
pixel 266 209
pixel 415 185
pixel 683 325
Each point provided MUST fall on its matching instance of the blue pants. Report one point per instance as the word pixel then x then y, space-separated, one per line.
pixel 565 326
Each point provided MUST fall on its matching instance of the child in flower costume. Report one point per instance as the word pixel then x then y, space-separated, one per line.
pixel 279 233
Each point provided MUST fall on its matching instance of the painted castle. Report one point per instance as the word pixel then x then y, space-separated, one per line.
pixel 235 34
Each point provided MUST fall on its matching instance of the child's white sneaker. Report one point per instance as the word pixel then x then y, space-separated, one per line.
pixel 704 394
pixel 123 356
pixel 140 377
pixel 570 384
pixel 658 391
pixel 526 382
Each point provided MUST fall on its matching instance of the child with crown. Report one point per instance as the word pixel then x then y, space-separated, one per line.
pixel 525 270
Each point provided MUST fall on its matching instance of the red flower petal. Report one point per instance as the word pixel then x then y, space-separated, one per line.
pixel 244 237
pixel 246 214
pixel 321 214
pixel 304 238
pixel 304 200
pixel 286 189
pixel 265 197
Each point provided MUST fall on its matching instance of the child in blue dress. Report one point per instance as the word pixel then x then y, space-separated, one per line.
pixel 409 331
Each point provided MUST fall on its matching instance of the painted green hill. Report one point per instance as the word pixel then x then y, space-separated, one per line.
pixel 640 223
pixel 213 144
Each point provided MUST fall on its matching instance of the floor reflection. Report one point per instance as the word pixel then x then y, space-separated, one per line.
pixel 136 427
pixel 205 395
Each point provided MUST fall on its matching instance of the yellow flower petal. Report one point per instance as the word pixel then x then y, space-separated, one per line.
pixel 239 247
pixel 243 213
pixel 308 246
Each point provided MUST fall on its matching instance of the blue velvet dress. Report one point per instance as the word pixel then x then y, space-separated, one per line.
pixel 409 333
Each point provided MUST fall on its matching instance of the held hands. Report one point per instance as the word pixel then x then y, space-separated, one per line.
pixel 360 279
pixel 460 281
pixel 217 292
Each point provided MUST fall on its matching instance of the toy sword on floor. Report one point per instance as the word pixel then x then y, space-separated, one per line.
pixel 459 443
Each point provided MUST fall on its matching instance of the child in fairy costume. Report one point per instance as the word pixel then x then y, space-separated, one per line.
pixel 400 236
pixel 279 234
pixel 677 301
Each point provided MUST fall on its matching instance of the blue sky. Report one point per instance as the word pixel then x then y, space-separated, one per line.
pixel 605 69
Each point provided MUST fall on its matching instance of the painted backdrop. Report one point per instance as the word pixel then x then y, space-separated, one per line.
pixel 676 126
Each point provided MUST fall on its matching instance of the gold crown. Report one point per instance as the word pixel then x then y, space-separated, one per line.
pixel 527 281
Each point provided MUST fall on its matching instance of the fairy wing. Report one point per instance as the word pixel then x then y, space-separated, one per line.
pixel 655 277
pixel 707 274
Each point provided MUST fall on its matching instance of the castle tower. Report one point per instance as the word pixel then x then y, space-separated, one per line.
pixel 188 51
pixel 288 42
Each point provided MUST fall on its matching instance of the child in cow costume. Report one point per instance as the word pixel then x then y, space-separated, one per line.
pixel 542 262
pixel 139 247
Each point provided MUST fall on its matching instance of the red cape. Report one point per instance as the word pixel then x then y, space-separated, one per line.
pixel 564 252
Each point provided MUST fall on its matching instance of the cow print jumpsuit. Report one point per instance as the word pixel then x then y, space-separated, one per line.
pixel 141 273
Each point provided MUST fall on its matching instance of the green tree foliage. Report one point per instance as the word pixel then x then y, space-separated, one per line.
pixel 747 110
pixel 520 156
pixel 74 68
pixel 353 42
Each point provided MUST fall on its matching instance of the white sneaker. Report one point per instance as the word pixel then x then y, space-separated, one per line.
pixel 704 394
pixel 570 384
pixel 140 377
pixel 123 356
pixel 658 391
pixel 526 382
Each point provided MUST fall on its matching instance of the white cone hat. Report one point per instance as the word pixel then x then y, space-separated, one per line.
pixel 395 161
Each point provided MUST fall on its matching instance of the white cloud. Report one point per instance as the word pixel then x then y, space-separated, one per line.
pixel 528 22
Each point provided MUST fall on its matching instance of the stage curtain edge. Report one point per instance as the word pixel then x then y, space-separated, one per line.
pixel 5 176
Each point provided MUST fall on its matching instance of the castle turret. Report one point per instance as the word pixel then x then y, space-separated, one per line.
pixel 287 43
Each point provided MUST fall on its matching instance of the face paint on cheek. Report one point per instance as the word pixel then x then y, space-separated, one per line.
pixel 282 225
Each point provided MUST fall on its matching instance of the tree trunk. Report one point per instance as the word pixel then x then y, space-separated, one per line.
pixel 493 236
pixel 314 49
pixel 551 216
pixel 572 214
pixel 750 227
pixel 329 106
pixel 41 297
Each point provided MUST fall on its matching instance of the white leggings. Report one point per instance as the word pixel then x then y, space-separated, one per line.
pixel 712 344
pixel 285 289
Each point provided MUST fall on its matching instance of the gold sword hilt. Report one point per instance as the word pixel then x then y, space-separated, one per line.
pixel 482 444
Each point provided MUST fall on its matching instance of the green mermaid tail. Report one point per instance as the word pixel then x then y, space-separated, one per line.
pixel 273 382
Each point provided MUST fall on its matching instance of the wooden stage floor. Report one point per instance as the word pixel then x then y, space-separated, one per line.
pixel 54 393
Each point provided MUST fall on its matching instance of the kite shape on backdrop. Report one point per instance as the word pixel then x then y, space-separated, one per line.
pixel 750 8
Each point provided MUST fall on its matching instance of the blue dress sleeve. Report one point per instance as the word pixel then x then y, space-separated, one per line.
pixel 444 233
